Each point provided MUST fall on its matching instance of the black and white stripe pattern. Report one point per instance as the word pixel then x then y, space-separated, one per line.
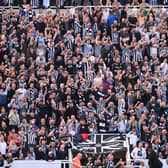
pixel 99 107
pixel 77 27
pixel 126 54
pixel 90 78
pixel 69 44
pixel 35 2
pixel 137 54
pixel 51 52
pixel 32 138
pixel 24 139
pixel 153 2
pixel 110 164
pixel 95 28
pixel 115 37
pixel 0 12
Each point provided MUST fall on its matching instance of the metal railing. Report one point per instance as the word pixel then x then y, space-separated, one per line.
pixel 120 6
pixel 130 7
pixel 99 6
pixel 128 158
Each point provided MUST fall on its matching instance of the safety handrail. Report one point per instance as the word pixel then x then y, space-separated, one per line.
pixel 128 158
pixel 99 6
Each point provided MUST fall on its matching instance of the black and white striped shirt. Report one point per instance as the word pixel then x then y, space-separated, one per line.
pixel 51 53
pixel 115 37
pixel 69 44
pixel 126 54
pixel 137 55
pixel 99 107
pixel 32 138
pixel 110 164
pixel 95 28
pixel 24 139
pixel 77 28
pixel 90 78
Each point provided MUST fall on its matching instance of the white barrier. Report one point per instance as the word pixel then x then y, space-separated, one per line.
pixel 146 165
pixel 35 164
pixel 58 163
pixel 42 164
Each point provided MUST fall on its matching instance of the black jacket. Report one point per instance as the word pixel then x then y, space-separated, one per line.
pixel 154 162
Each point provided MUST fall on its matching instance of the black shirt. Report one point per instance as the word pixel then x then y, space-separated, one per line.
pixel 102 126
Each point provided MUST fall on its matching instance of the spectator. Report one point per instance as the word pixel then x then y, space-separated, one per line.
pixel 1 160
pixel 77 160
pixel 14 120
pixel 133 138
pixel 3 146
pixel 138 153
pixel 110 162
pixel 62 152
pixel 153 160
pixel 29 157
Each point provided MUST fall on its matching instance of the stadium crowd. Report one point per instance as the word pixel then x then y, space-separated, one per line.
pixel 84 71
pixel 63 3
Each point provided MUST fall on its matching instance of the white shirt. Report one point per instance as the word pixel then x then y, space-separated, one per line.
pixel 121 106
pixel 40 60
pixel 138 154
pixel 3 146
pixel 147 34
pixel 46 3
pixel 122 125
pixel 22 93
pixel 105 15
pixel 164 67
pixel 133 138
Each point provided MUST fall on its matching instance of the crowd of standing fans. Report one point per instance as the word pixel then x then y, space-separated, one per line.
pixel 83 71
pixel 64 3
